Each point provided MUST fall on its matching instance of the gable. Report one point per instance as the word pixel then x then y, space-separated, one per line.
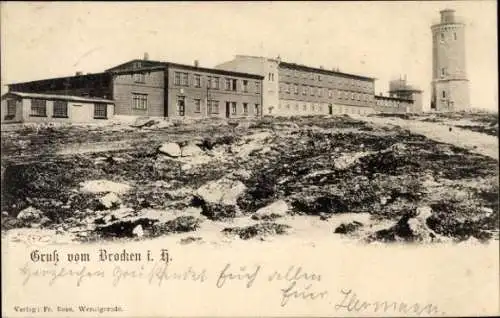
pixel 135 64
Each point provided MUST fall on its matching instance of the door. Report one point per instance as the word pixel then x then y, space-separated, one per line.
pixel 228 109
pixel 330 109
pixel 181 106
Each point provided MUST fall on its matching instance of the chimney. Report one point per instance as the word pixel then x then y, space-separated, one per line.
pixel 146 56
pixel 321 67
pixel 78 73
pixel 196 63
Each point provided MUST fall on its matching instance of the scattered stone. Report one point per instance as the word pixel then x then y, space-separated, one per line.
pixel 138 231
pixel 103 186
pixel 110 200
pixel 178 225
pixel 162 184
pixel 30 214
pixel 170 149
pixel 143 122
pixel 347 228
pixel 191 150
pixel 412 227
pixel 257 230
pixel 347 160
pixel 272 211
pixel 190 239
pixel 223 191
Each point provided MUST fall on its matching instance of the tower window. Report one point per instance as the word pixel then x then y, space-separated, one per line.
pixel 443 71
pixel 442 36
pixel 444 94
pixel 454 35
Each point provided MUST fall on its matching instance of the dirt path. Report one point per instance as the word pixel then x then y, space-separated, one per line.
pixel 476 142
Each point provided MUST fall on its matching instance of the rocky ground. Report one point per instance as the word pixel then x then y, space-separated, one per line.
pixel 257 179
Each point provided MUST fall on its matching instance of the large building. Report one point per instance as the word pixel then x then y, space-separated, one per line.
pixel 293 89
pixel 402 98
pixel 449 87
pixel 147 88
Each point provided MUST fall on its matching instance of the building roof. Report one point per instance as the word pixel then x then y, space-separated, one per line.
pixel 82 76
pixel 323 71
pixel 60 97
pixel 157 65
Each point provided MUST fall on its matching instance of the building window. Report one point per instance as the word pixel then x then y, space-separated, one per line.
pixel 454 35
pixel 184 79
pixel 245 108
pixel 137 65
pixel 257 87
pixel 304 107
pixel 442 36
pixel 233 108
pixel 177 78
pixel 297 107
pixel 245 86
pixel 304 90
pixel 313 108
pixel 100 111
pixel 296 89
pixel 139 101
pixel 227 84
pixel 213 82
pixel 197 106
pixel 60 109
pixel 312 91
pixel 352 96
pixel 288 106
pixel 181 105
pixel 11 108
pixel 287 88
pixel 330 93
pixel 213 106
pixel 319 77
pixel 444 94
pixel 257 109
pixel 197 80
pixel 38 108
pixel 319 91
pixel 139 78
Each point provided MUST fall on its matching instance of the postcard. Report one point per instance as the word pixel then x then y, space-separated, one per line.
pixel 257 159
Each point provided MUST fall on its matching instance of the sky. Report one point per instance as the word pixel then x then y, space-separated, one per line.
pixel 384 40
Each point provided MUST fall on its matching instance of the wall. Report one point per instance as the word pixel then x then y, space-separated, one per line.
pixel 457 95
pixel 342 89
pixel 19 111
pixel 392 105
pixel 75 113
pixel 291 107
pixel 261 66
pixel 252 97
pixel 124 85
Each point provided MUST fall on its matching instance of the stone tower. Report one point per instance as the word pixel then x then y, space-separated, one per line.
pixel 450 86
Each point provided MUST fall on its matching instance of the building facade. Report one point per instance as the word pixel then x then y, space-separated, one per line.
pixel 449 86
pixel 146 88
pixel 19 107
pixel 293 89
pixel 267 68
pixel 390 104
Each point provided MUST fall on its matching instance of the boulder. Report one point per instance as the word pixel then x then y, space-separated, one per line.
pixel 30 214
pixel 223 191
pixel 138 231
pixel 274 210
pixel 143 122
pixel 103 186
pixel 191 150
pixel 346 228
pixel 257 230
pixel 347 160
pixel 110 200
pixel 412 227
pixel 170 149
